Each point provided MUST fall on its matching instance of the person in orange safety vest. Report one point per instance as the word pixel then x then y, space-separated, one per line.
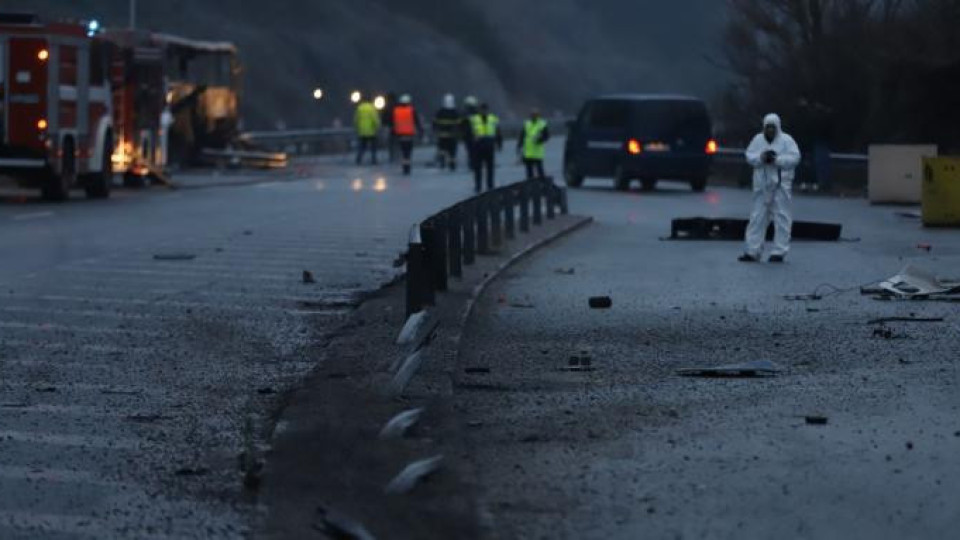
pixel 406 127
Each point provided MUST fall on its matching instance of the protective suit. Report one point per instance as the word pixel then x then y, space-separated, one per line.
pixel 774 162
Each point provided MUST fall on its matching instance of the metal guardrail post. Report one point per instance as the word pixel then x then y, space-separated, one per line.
pixel 550 191
pixel 537 202
pixel 468 219
pixel 455 240
pixel 435 239
pixel 509 201
pixel 524 206
pixel 415 281
pixel 496 233
pixel 428 286
pixel 482 213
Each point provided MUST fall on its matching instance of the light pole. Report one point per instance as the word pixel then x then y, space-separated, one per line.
pixel 133 14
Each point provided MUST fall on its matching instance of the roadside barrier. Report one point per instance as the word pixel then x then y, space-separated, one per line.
pixel 441 245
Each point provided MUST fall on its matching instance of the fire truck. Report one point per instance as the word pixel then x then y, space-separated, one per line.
pixel 56 110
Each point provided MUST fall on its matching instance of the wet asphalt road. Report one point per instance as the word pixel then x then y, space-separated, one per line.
pixel 129 385
pixel 629 450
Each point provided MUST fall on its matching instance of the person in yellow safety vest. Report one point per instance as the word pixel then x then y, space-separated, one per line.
pixel 531 143
pixel 487 140
pixel 366 121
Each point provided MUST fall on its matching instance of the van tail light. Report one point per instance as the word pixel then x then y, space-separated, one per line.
pixel 634 147
pixel 712 147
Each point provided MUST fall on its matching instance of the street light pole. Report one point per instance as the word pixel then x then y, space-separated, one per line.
pixel 133 14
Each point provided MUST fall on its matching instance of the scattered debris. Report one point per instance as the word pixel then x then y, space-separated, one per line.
pixel 308 277
pixel 145 418
pixel 266 391
pixel 474 423
pixel 600 302
pixel 883 320
pixel 192 471
pixel 531 438
pixel 700 228
pixel 809 296
pixel 521 305
pixel 476 369
pixel 336 525
pixel 581 362
pixel 909 215
pixel 914 282
pixel 399 425
pixel 247 232
pixel 565 271
pixel 174 256
pixel 883 332
pixel 925 247
pixel 45 389
pixel 120 392
pixel 816 420
pixel 757 368
pixel 412 474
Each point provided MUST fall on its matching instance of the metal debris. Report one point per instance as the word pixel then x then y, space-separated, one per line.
pixel 399 425
pixel 914 282
pixel 816 420
pixel 700 228
pixel 600 302
pixel 308 277
pixel 756 368
pixel 412 474
pixel 476 369
pixel 883 320
pixel 337 525
pixel 174 256
pixel 565 271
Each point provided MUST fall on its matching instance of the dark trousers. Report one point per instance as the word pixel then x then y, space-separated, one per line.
pixel 367 142
pixel 447 149
pixel 534 168
pixel 406 151
pixel 484 152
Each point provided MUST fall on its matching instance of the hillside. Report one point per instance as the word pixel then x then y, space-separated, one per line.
pixel 514 54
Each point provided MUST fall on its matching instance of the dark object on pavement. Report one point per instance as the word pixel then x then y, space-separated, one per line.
pixel 925 247
pixel 265 391
pixel 191 471
pixel 776 258
pixel 308 277
pixel 909 215
pixel 336 525
pixel 904 319
pixel 174 257
pixel 600 302
pixel 565 271
pixel 747 258
pixel 700 228
pixel 756 368
pixel 816 420
pixel 412 474
pixel 476 370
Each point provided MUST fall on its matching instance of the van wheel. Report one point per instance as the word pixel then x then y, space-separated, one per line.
pixel 621 180
pixel 570 175
pixel 699 184
pixel 57 186
pixel 98 185
pixel 648 184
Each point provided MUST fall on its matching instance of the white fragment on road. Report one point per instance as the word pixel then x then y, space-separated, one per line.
pixel 410 328
pixel 399 425
pixel 32 215
pixel 412 474
pixel 407 369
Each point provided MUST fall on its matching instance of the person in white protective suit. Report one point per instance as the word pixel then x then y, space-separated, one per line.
pixel 774 156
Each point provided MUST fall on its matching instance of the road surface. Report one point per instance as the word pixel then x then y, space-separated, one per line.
pixel 144 339
pixel 627 449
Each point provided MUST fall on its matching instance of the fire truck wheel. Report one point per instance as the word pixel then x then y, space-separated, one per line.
pixel 57 186
pixel 97 185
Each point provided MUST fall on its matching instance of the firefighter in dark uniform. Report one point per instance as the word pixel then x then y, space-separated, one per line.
pixel 446 128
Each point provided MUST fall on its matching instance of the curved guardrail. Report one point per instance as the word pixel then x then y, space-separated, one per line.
pixel 441 245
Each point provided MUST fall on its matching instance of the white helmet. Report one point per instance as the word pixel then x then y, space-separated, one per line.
pixel 405 99
pixel 470 101
pixel 449 102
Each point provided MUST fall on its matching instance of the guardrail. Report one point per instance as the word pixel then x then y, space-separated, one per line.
pixel 441 245
pixel 339 140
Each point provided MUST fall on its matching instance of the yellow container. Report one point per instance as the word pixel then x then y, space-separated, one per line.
pixel 941 192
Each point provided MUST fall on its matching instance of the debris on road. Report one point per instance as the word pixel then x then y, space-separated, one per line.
pixel 308 277
pixel 412 474
pixel 802 297
pixel 914 282
pixel 883 320
pixel 816 420
pixel 600 302
pixel 476 369
pixel 756 368
pixel 522 305
pixel 909 215
pixel 145 418
pixel 174 256
pixel 925 247
pixel 398 426
pixel 191 471
pixel 581 362
pixel 701 228
pixel 565 271
pixel 337 525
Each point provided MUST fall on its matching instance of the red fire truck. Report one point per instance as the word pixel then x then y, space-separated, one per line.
pixel 56 112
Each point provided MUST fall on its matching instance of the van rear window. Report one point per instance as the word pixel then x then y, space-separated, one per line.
pixel 671 117
pixel 608 114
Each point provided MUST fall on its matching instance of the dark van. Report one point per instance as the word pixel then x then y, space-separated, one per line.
pixel 641 137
